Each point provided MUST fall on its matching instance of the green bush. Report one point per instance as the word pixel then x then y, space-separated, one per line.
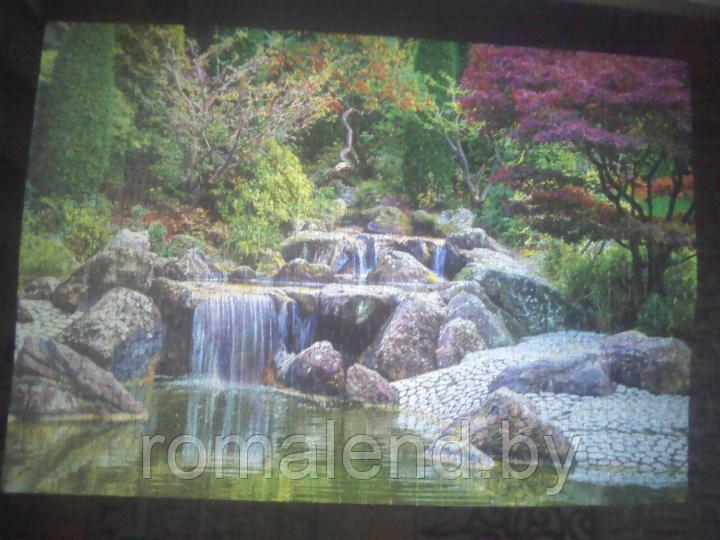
pixel 85 229
pixel 255 206
pixel 181 244
pixel 158 235
pixel 598 279
pixel 654 317
pixel 137 217
pixel 41 256
pixel 77 125
pixel 493 218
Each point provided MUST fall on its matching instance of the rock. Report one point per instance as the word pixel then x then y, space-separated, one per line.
pixel 474 238
pixel 176 303
pixel 448 289
pixel 457 338
pixel 52 379
pixel 388 220
pixel 40 288
pixel 336 250
pixel 524 419
pixel 123 331
pixel 242 273
pixel 582 374
pixel 405 347
pixel 367 385
pixel 426 224
pixel 351 316
pixel 193 266
pixel 120 267
pixel 281 363
pixel 317 370
pixel 456 220
pixel 401 267
pixel 24 315
pixel 490 326
pixel 307 224
pixel 658 365
pixel 301 270
pixel 536 306
pixel 127 239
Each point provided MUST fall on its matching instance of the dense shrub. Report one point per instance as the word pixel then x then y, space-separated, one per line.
pixel 158 237
pixel 256 205
pixel 42 256
pixel 493 217
pixel 181 244
pixel 600 280
pixel 77 128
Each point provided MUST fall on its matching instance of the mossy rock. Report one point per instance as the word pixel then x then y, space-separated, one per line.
pixel 388 220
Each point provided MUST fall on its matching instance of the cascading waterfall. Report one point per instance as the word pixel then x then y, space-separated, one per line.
pixel 363 258
pixel 297 331
pixel 233 337
pixel 439 260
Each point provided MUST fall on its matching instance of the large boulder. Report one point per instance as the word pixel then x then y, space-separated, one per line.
pixel 388 220
pixel 127 239
pixel 351 316
pixel 456 220
pixel 367 385
pixel 193 265
pixel 336 250
pixel 40 288
pixel 301 270
pixel 406 345
pixel 426 224
pixel 490 326
pixel 122 331
pixel 583 374
pixel 658 365
pixel 317 370
pixel 177 302
pixel 51 379
pixel 537 307
pixel 118 267
pixel 242 273
pixel 473 238
pixel 401 267
pixel 523 419
pixel 457 338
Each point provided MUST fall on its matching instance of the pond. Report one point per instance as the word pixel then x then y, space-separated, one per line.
pixel 101 458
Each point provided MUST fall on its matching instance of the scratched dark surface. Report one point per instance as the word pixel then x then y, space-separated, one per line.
pixel 510 21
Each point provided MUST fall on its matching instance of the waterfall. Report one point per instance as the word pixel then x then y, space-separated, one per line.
pixel 297 331
pixel 439 260
pixel 233 337
pixel 362 260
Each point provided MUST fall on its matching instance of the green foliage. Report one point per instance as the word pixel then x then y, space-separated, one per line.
pixel 85 229
pixel 673 313
pixel 328 207
pixel 256 205
pixel 429 164
pixel 181 244
pixel 493 217
pixel 74 155
pixel 41 256
pixel 137 217
pixel 158 235
pixel 598 279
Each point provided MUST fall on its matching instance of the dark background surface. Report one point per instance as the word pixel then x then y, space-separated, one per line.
pixel 665 28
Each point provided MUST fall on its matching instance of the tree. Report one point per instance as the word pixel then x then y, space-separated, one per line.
pixel 73 156
pixel 627 119
pixel 429 164
pixel 222 109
